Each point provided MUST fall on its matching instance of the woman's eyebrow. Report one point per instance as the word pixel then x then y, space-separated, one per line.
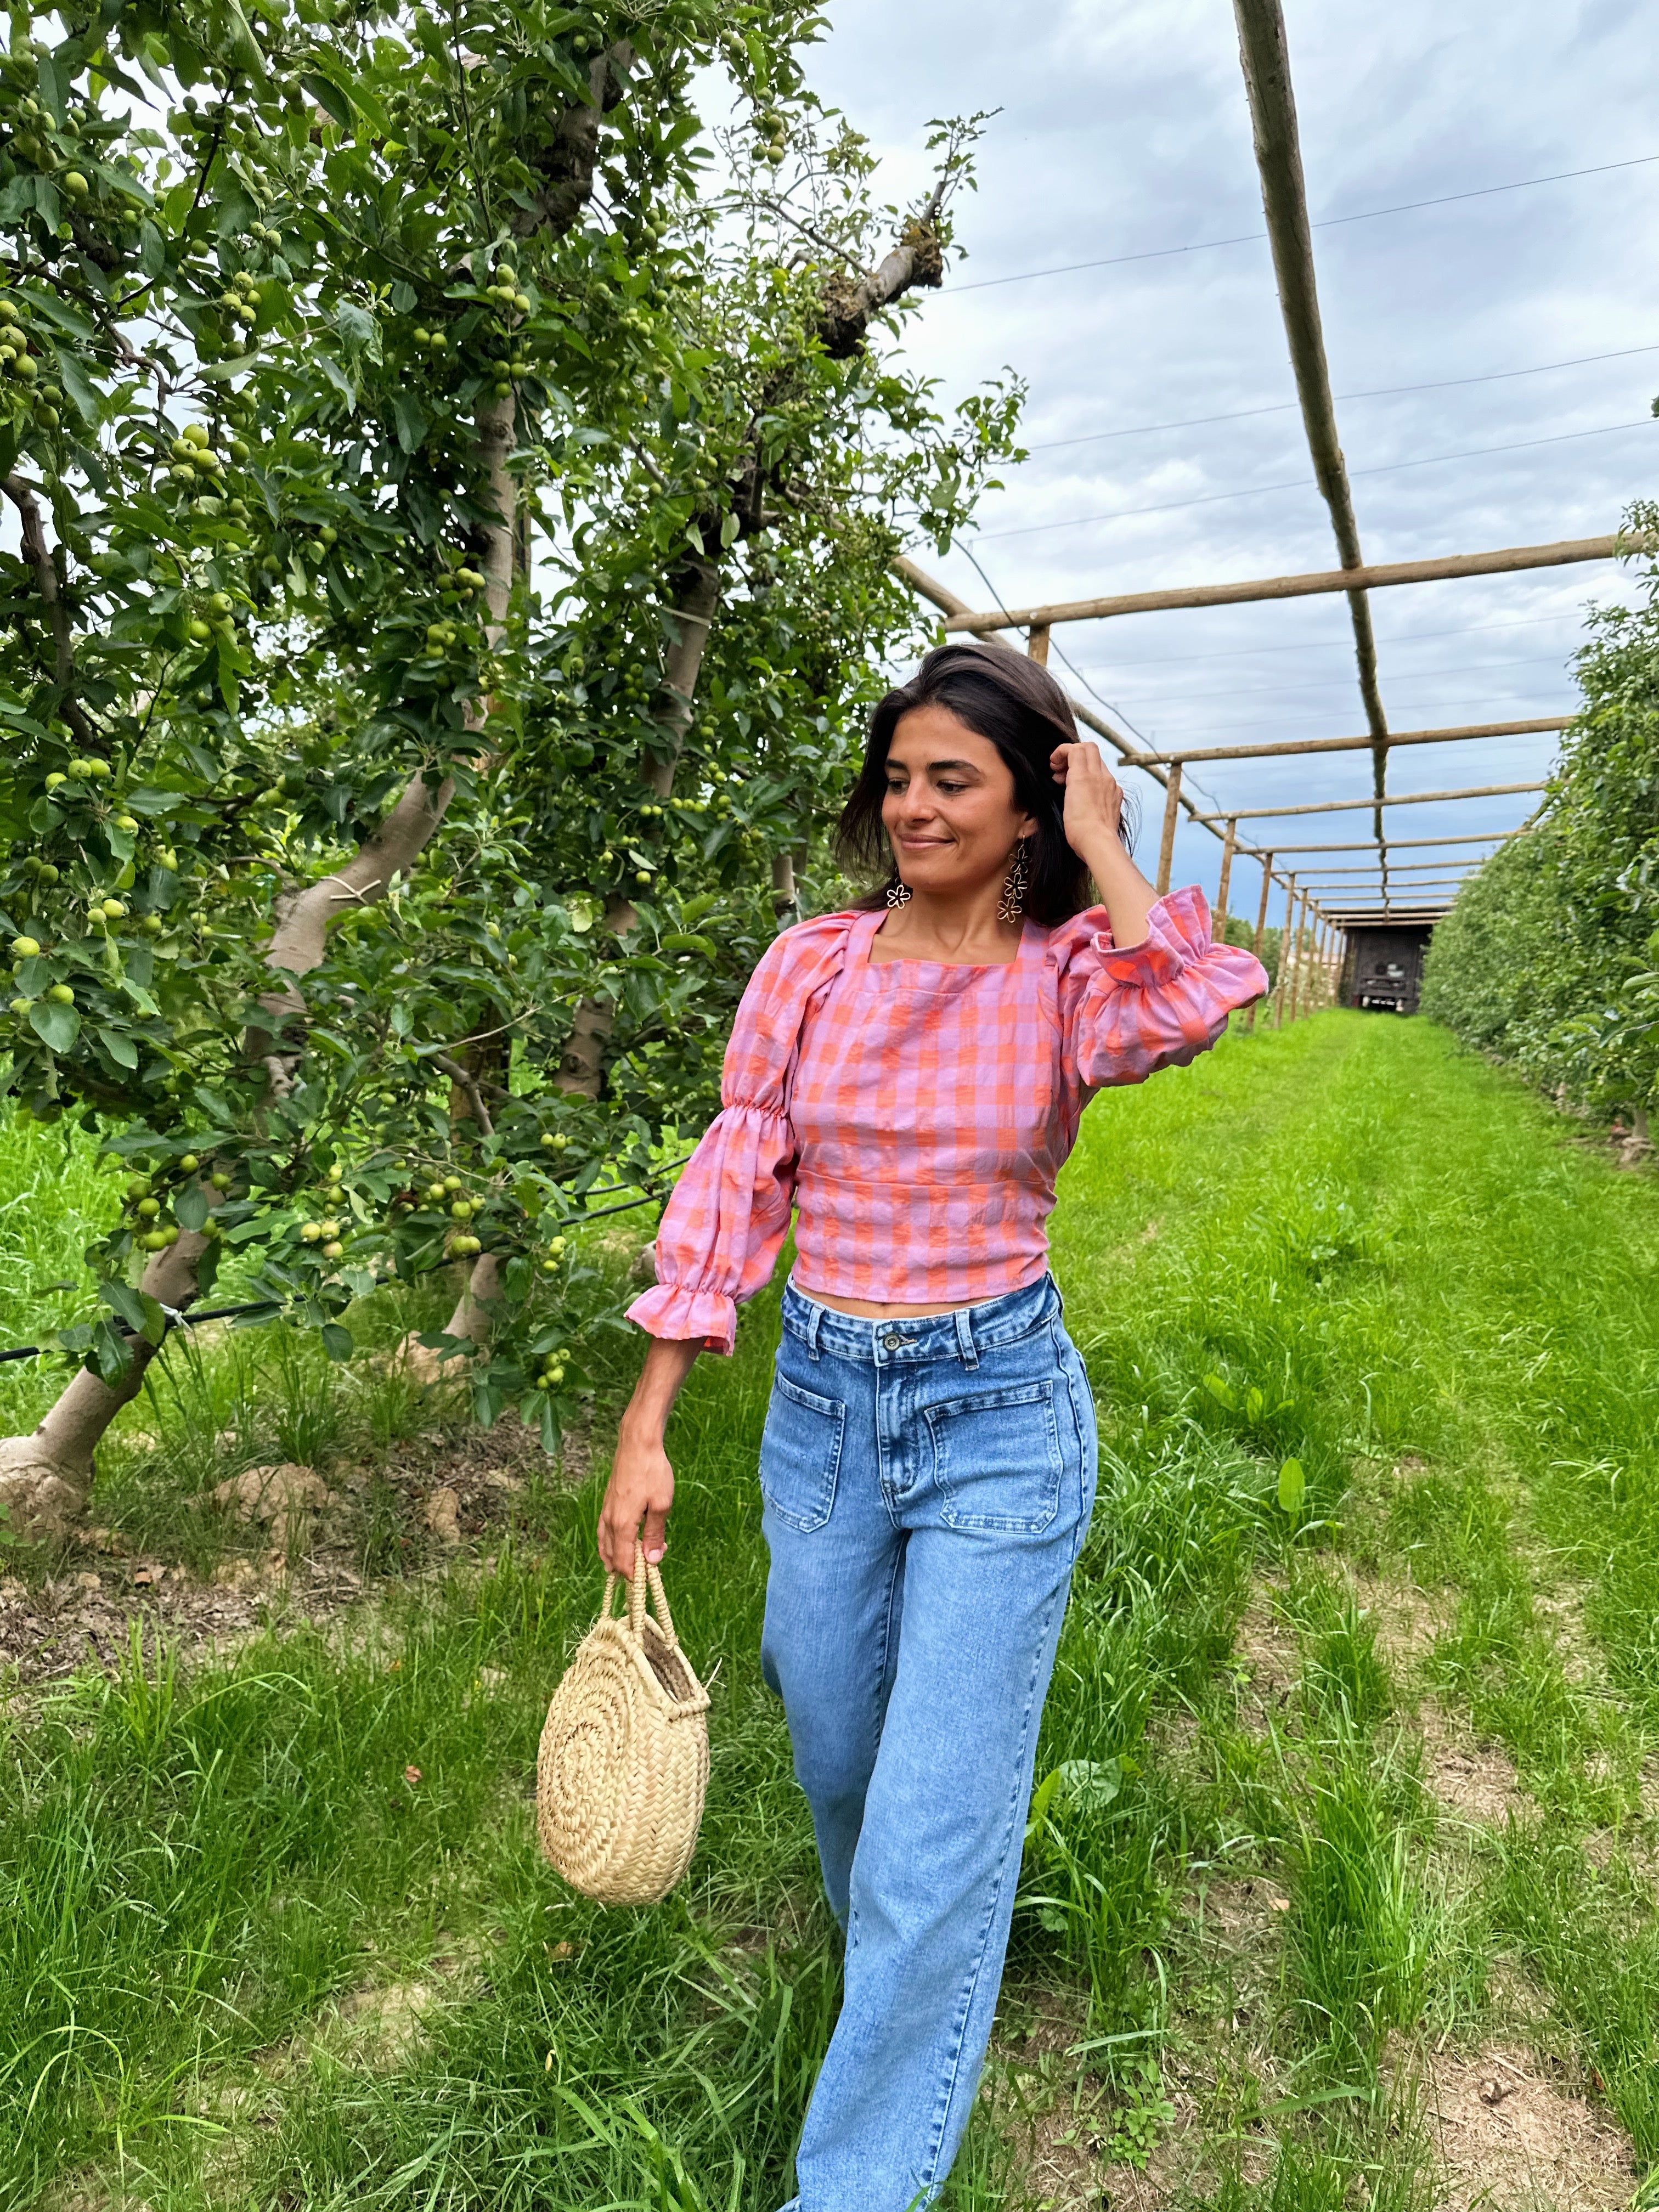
pixel 957 767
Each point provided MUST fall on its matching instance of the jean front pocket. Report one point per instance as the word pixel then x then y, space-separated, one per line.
pixel 800 1454
pixel 997 1458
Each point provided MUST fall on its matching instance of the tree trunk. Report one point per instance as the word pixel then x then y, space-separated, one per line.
pixel 46 1478
pixel 498 421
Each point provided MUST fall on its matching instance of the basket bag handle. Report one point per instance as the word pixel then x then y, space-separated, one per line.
pixel 643 1572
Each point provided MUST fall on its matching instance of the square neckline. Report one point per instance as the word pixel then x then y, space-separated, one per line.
pixel 873 919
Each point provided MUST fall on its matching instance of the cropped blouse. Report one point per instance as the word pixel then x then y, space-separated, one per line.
pixel 917 1113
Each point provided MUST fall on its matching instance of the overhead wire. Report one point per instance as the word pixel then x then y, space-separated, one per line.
pixel 1326 222
pixel 1378 391
pixel 1307 483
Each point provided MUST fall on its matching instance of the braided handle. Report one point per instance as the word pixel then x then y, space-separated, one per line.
pixel 644 1572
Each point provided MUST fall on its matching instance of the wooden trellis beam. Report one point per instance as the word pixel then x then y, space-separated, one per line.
pixel 1374 577
pixel 1394 799
pixel 1536 726
pixel 1413 844
pixel 1265 54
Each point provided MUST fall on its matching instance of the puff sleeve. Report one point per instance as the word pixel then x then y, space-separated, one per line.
pixel 725 1224
pixel 1158 1004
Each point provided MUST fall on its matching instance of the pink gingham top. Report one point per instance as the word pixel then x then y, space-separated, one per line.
pixel 916 1113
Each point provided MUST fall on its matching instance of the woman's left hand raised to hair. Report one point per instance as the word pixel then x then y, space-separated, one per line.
pixel 1094 798
pixel 1094 813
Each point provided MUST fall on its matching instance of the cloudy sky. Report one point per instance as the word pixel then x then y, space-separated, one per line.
pixel 1123 131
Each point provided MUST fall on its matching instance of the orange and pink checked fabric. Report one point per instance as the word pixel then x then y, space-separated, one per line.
pixel 917 1114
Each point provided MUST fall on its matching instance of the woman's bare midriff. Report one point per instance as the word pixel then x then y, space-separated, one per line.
pixel 868 1309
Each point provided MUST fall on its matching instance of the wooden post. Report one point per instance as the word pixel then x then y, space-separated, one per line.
pixel 1228 843
pixel 1298 932
pixel 1284 982
pixel 1262 919
pixel 1166 845
pixel 1036 644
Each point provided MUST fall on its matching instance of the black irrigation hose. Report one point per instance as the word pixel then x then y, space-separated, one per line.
pixel 176 1319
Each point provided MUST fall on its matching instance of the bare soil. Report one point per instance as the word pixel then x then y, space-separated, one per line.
pixel 1511 2135
pixel 339 1535
pixel 1471 1781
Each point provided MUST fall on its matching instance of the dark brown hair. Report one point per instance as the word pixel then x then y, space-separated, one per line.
pixel 1017 705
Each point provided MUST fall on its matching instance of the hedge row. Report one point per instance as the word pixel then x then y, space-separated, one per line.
pixel 1550 959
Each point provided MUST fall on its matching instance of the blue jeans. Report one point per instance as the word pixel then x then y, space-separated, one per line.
pixel 927 1486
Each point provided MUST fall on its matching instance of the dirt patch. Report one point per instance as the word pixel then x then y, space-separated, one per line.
pixel 1561 1610
pixel 1266 1659
pixel 82 1618
pixel 1509 2137
pixel 1242 1912
pixel 1472 1782
pixel 280 1498
pixel 294 1550
pixel 1406 1620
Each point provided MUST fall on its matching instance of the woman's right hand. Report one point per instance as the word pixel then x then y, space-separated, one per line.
pixel 640 1489
pixel 641 1485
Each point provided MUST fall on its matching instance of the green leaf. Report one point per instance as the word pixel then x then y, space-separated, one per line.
pixel 55 1026
pixel 412 419
pixel 328 96
pixel 119 1045
pixel 1042 1798
pixel 127 1303
pixel 336 1342
pixel 360 331
pixel 79 386
pixel 190 1207
pixel 1292 1487
pixel 1221 1390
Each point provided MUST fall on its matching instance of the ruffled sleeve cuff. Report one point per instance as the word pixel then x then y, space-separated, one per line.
pixel 686 1316
pixel 1177 933
pixel 1125 1013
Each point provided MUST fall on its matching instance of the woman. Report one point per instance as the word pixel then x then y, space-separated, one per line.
pixel 910 1074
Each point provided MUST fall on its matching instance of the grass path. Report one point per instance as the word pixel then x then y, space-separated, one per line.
pixel 1342 1886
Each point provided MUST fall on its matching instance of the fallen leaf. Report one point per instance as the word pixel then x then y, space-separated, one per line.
pixel 561 1950
pixel 411 1775
pixel 144 1579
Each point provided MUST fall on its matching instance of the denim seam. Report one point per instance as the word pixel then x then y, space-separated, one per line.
pixel 949 2085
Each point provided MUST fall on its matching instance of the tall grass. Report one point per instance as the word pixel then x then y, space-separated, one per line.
pixel 1342 1244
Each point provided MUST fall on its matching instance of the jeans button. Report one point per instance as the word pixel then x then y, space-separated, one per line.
pixel 891 1343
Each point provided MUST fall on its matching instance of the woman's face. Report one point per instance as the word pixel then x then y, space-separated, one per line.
pixel 950 812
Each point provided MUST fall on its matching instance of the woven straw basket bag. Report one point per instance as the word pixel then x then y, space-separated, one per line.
pixel 624 1765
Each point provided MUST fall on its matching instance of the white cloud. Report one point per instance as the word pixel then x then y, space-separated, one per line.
pixel 1125 129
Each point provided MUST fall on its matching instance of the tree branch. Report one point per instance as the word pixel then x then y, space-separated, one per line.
pixel 464 1079
pixel 38 554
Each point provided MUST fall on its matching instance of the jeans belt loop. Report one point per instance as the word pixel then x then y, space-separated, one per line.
pixel 814 1324
pixel 965 1339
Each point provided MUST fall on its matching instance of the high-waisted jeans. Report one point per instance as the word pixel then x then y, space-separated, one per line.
pixel 927 1486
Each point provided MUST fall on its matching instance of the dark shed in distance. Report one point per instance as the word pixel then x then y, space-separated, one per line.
pixel 1382 969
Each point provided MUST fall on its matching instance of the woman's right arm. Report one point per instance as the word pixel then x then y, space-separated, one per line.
pixel 641 1485
pixel 723 1228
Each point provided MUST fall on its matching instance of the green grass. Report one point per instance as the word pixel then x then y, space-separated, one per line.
pixel 1345 1243
pixel 54 1200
